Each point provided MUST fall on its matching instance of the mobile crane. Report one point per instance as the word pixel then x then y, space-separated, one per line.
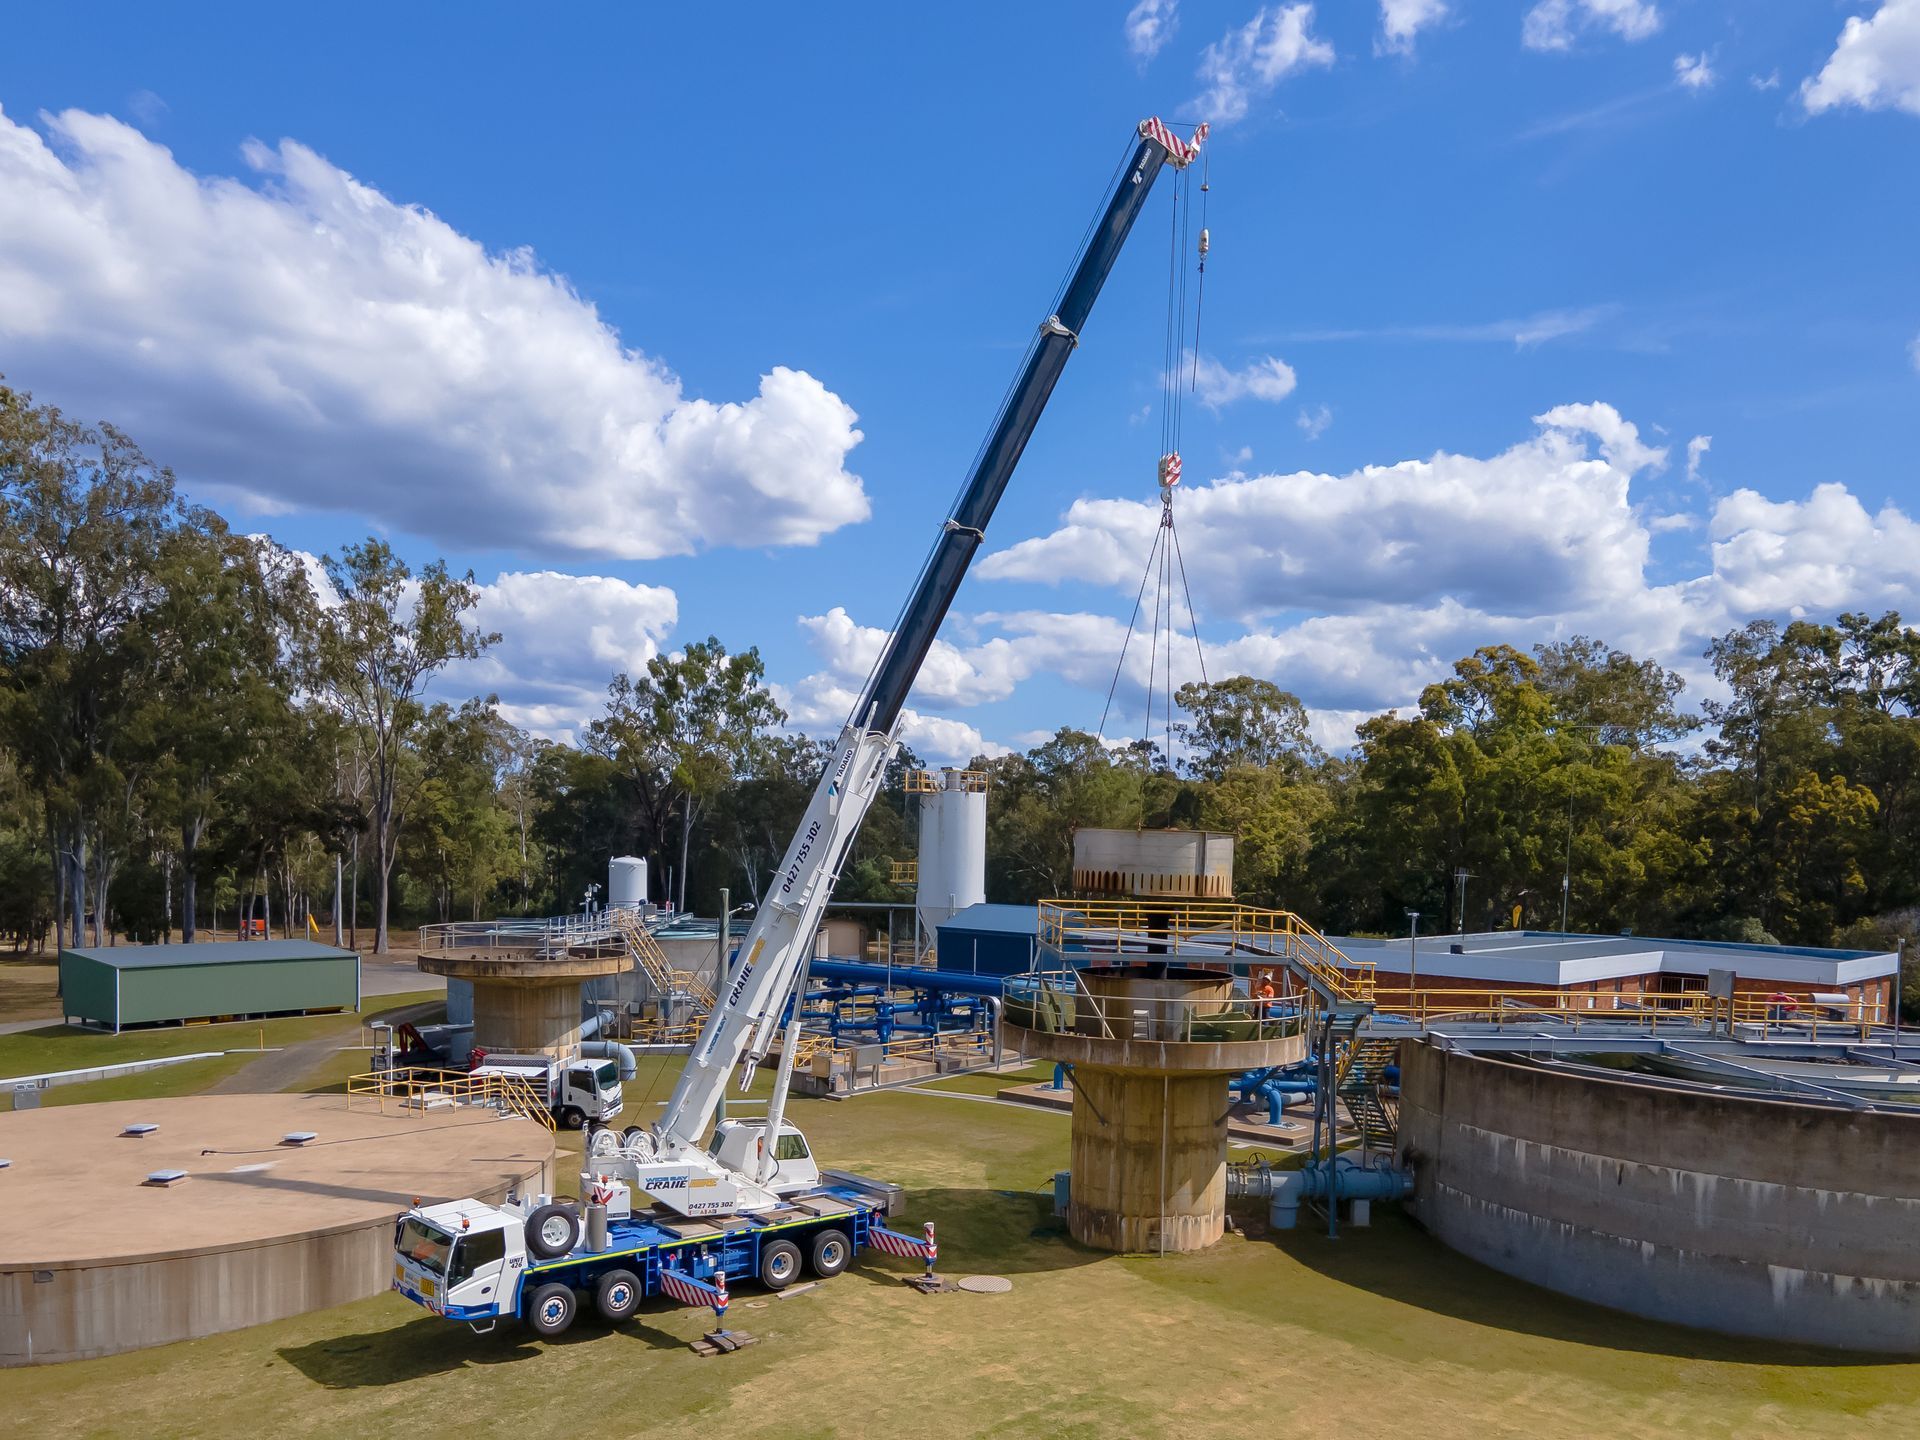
pixel 748 1201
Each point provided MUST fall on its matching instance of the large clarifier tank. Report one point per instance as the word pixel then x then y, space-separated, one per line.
pixel 953 844
pixel 627 880
pixel 1159 864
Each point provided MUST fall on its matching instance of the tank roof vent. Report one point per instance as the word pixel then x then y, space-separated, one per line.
pixel 163 1178
pixel 140 1130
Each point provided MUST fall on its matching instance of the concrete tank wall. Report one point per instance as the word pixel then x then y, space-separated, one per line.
pixel 1752 1217
pixel 1149 1160
pixel 1182 864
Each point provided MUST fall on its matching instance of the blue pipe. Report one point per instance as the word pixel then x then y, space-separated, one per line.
pixel 901 977
pixel 1343 1180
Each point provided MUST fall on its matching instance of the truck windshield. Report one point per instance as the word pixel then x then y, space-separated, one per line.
pixel 425 1245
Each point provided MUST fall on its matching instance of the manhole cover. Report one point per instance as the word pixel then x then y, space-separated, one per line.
pixel 986 1284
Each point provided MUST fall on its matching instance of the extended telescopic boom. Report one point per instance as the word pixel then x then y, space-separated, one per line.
pixel 746 1013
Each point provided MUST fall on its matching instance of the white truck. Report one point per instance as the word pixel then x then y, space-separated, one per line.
pixel 740 1204
pixel 577 1092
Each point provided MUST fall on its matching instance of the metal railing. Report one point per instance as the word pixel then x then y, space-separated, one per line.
pixel 547 935
pixel 904 872
pixel 1058 1002
pixel 1649 1010
pixel 416 1090
pixel 1200 928
pixel 926 782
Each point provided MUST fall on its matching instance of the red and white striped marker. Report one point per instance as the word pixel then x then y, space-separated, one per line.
pixel 933 1250
pixel 720 1284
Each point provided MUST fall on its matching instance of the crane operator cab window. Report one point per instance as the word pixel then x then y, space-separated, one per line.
pixel 790 1145
pixel 476 1253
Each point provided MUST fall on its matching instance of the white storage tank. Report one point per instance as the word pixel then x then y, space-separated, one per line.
pixel 1177 864
pixel 627 880
pixel 953 844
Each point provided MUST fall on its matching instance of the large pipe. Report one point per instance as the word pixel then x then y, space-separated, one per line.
pixel 1342 1180
pixel 612 1050
pixel 856 972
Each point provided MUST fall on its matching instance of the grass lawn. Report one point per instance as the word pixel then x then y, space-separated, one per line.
pixel 1381 1329
pixel 62 1047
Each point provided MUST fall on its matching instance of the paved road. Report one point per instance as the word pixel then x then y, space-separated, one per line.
pixel 277 1069
pixel 395 975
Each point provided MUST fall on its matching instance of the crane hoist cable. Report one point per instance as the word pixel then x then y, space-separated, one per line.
pixel 1164 556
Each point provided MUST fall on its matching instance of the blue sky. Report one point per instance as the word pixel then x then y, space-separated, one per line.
pixel 1522 320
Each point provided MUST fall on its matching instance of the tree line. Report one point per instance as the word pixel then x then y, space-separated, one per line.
pixel 197 731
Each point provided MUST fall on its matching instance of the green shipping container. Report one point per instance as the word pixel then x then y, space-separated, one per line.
pixel 123 985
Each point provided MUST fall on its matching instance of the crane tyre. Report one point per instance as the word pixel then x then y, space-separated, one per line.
pixel 552 1231
pixel 779 1264
pixel 617 1295
pixel 831 1253
pixel 552 1309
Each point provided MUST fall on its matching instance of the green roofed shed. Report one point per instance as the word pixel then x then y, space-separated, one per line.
pixel 123 985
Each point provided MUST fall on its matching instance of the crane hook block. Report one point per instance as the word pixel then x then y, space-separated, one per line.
pixel 1169 471
pixel 1206 242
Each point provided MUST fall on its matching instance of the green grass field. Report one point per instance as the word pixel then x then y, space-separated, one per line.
pixel 1380 1329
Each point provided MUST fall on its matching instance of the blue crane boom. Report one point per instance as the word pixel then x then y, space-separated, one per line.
pixel 899 664
pixel 748 1010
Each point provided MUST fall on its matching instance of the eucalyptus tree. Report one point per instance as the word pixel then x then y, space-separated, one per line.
pixel 381 642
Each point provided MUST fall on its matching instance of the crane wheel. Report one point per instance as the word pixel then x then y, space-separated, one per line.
pixel 779 1264
pixel 617 1295
pixel 832 1253
pixel 552 1231
pixel 552 1309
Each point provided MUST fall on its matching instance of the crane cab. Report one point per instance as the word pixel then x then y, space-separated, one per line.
pixel 737 1144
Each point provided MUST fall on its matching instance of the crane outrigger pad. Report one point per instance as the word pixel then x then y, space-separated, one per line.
pixel 723 1342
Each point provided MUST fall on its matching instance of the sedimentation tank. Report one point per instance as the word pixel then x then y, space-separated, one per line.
pixel 1730 1212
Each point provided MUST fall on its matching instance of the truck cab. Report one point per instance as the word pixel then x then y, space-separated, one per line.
pixel 736 1144
pixel 576 1091
pixel 462 1260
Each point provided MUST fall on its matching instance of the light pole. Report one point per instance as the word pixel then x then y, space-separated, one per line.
pixel 1413 953
pixel 1460 878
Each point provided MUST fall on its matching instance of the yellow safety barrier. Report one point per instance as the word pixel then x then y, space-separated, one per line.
pixel 905 872
pixel 417 1090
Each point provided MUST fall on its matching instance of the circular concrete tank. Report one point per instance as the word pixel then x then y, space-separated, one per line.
pixel 94 1261
pixel 1723 1211
pixel 526 1004
pixel 1152 1044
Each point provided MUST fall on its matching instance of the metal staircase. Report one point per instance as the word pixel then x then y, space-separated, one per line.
pixel 647 953
pixel 1362 1090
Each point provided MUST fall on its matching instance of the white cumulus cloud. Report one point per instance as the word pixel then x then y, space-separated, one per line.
pixel 1694 72
pixel 302 339
pixel 1402 20
pixel 1557 24
pixel 1697 449
pixel 1313 421
pixel 1248 62
pixel 1875 65
pixel 1265 379
pixel 1150 25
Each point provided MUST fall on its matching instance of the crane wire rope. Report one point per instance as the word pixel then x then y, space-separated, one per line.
pixel 1165 557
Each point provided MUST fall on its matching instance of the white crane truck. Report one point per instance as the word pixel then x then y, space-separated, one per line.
pixel 665 1213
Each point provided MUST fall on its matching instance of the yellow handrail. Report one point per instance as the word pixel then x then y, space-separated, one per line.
pixel 1242 931
pixel 646 950
pixel 415 1089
